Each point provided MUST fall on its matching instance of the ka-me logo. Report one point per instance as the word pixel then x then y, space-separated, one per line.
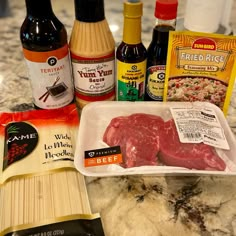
pixel 21 139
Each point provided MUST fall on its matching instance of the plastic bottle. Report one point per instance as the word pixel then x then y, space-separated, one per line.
pixel 131 56
pixel 92 49
pixel 46 51
pixel 165 13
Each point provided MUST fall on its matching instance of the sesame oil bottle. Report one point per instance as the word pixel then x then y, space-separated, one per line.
pixel 131 56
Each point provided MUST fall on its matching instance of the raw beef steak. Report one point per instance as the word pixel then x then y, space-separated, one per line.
pixel 193 156
pixel 144 138
pixel 138 137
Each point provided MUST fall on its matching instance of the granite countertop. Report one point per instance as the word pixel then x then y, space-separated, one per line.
pixel 129 205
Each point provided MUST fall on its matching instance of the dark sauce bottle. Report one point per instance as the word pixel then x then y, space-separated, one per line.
pixel 46 52
pixel 165 13
pixel 131 56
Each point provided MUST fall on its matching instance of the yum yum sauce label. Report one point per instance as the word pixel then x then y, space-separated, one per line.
pixel 200 67
pixel 94 78
pixel 51 77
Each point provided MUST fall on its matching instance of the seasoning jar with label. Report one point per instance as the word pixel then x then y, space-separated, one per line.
pixel 46 52
pixel 165 13
pixel 92 48
pixel 131 56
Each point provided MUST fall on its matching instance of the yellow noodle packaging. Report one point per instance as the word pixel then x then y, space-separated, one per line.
pixel 41 192
pixel 200 67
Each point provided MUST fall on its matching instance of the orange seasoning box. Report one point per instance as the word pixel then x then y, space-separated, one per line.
pixel 200 67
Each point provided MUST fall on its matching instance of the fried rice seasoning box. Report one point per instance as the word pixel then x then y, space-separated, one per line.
pixel 200 67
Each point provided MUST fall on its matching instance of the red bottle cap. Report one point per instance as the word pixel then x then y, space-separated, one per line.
pixel 166 9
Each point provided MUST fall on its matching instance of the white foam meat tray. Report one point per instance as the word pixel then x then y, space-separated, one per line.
pixel 96 116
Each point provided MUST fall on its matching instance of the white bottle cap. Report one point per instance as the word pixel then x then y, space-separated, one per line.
pixel 203 15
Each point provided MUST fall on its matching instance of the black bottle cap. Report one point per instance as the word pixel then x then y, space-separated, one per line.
pixel 42 8
pixel 89 10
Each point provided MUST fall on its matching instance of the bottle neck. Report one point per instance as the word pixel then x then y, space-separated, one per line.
pixel 132 30
pixel 161 30
pixel 39 8
pixel 89 10
pixel 171 23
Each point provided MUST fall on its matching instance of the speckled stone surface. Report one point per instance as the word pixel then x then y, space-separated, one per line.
pixel 129 205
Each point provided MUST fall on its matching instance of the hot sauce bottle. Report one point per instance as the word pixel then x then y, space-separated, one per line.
pixel 46 52
pixel 165 13
pixel 131 56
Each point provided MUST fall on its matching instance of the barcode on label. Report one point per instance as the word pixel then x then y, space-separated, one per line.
pixel 192 135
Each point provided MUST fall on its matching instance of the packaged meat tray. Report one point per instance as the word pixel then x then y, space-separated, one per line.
pixel 124 138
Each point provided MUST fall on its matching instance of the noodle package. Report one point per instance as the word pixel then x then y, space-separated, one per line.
pixel 200 67
pixel 37 141
pixel 41 191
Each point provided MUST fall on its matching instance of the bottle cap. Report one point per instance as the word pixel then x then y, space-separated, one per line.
pixel 166 9
pixel 89 10
pixel 133 9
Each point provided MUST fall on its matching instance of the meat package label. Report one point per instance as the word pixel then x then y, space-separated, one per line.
pixel 199 125
pixel 103 156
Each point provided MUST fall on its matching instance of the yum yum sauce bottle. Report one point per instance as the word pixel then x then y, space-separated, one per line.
pixel 92 49
pixel 46 51
pixel 165 13
pixel 131 56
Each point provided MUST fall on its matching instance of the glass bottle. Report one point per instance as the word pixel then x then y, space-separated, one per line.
pixel 165 13
pixel 46 52
pixel 131 56
pixel 92 48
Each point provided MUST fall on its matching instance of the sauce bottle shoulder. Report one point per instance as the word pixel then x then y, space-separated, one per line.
pixel 131 53
pixel 42 34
